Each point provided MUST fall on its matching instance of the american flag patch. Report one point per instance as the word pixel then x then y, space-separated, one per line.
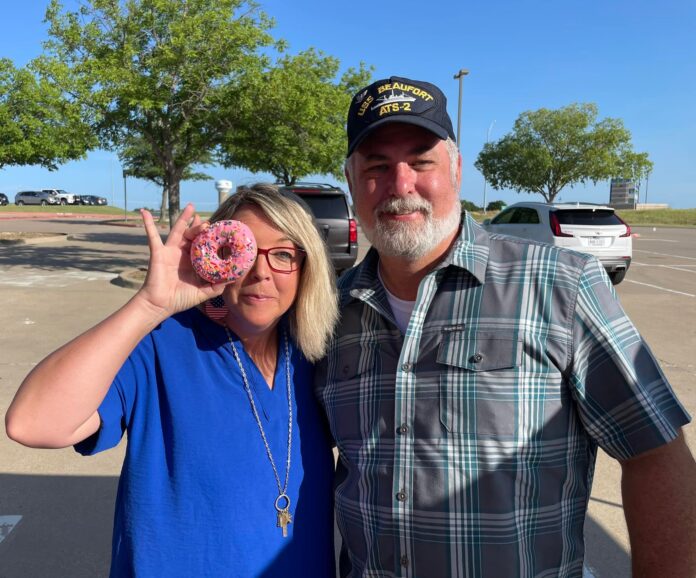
pixel 215 308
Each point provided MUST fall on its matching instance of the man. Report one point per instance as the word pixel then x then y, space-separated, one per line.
pixel 473 378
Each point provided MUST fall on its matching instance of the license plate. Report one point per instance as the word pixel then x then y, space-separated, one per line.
pixel 596 241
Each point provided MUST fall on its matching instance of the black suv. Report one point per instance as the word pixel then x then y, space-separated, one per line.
pixel 334 219
pixel 3 199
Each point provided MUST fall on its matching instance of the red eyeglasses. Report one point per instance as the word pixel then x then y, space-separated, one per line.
pixel 283 259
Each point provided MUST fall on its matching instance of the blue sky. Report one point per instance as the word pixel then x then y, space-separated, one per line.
pixel 636 60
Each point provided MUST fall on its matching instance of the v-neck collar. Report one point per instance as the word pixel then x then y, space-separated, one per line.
pixel 270 402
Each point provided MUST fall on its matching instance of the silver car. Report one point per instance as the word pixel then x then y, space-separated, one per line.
pixel 585 227
pixel 36 198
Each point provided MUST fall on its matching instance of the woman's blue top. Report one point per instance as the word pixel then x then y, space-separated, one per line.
pixel 196 494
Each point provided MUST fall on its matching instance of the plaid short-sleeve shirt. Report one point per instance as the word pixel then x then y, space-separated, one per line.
pixel 467 445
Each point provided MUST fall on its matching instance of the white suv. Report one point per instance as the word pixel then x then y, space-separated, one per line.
pixel 585 227
pixel 65 197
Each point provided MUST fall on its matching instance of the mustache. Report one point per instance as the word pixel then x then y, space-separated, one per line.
pixel 399 206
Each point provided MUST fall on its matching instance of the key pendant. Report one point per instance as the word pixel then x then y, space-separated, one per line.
pixel 282 506
pixel 284 518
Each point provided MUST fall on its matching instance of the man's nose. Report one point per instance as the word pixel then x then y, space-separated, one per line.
pixel 404 179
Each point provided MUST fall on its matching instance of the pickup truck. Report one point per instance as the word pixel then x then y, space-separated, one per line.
pixel 65 197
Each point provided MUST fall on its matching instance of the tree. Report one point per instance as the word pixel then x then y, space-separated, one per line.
pixel 156 70
pixel 496 206
pixel 297 117
pixel 548 150
pixel 137 160
pixel 470 207
pixel 38 126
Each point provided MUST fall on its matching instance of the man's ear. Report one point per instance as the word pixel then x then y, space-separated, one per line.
pixel 346 172
pixel 459 172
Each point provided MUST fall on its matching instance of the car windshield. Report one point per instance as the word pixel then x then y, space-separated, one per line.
pixel 591 217
pixel 326 206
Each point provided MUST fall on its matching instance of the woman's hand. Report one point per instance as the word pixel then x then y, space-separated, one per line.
pixel 172 284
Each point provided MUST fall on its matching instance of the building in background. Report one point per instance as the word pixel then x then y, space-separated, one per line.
pixel 623 194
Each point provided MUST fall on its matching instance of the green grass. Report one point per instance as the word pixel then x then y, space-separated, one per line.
pixel 652 217
pixel 664 217
pixel 75 209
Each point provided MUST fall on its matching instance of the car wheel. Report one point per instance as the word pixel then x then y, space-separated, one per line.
pixel 63 202
pixel 19 203
pixel 43 203
pixel 617 276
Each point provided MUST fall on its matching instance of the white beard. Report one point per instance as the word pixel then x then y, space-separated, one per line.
pixel 409 240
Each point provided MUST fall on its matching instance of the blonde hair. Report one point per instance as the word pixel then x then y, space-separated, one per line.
pixel 314 313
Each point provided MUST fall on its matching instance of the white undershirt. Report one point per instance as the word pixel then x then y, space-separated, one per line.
pixel 401 309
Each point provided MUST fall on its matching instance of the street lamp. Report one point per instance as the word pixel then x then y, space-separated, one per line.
pixel 461 74
pixel 485 182
pixel 125 196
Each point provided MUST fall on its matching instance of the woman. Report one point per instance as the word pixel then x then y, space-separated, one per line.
pixel 228 471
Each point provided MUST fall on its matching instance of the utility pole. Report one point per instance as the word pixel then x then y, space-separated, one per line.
pixel 485 182
pixel 459 76
pixel 125 196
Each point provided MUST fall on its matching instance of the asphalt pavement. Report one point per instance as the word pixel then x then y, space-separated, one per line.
pixel 56 507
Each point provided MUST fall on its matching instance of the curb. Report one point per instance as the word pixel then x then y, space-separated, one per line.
pixel 52 238
pixel 130 278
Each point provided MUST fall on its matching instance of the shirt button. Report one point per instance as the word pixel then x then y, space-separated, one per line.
pixel 406 366
pixel 476 358
pixel 404 561
pixel 402 429
pixel 401 496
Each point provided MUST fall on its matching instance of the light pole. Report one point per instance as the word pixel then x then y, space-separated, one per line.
pixel 485 182
pixel 125 196
pixel 461 74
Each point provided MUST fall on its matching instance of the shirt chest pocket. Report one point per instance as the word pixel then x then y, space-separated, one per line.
pixel 478 382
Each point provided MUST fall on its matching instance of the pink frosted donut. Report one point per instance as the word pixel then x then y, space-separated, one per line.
pixel 224 251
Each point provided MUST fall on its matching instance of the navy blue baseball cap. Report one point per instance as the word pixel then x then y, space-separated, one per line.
pixel 397 99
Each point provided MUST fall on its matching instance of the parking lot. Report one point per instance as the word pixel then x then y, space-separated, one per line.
pixel 56 507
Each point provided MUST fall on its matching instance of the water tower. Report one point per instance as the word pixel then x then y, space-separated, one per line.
pixel 223 188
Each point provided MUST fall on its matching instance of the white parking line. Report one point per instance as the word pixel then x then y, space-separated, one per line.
pixel 643 238
pixel 660 288
pixel 664 254
pixel 672 267
pixel 7 524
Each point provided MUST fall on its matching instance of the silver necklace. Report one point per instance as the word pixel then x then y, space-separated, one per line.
pixel 282 502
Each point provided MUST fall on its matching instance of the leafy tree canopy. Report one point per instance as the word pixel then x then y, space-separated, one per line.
pixel 38 126
pixel 496 206
pixel 548 150
pixel 155 70
pixel 297 110
pixel 470 206
pixel 138 161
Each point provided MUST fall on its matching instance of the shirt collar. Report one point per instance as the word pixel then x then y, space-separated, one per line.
pixel 471 249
